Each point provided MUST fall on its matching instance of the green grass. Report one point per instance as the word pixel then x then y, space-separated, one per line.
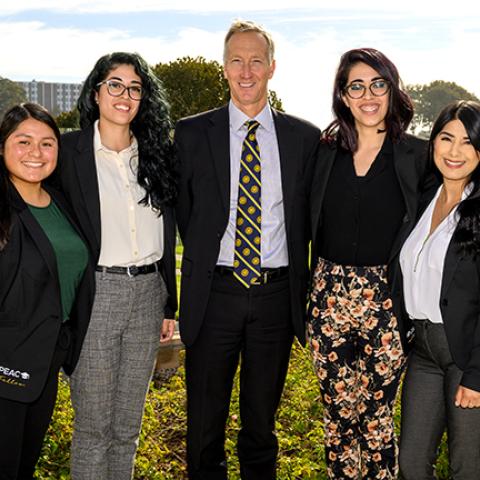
pixel 161 454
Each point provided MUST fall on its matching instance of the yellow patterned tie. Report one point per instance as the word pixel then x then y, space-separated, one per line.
pixel 248 232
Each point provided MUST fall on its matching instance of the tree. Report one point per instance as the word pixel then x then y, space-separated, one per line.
pixel 430 99
pixel 194 85
pixel 70 120
pixel 11 94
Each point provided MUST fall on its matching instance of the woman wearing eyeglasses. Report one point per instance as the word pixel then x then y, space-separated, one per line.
pixel 365 193
pixel 117 173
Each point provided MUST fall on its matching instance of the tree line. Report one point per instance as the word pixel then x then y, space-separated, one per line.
pixel 194 85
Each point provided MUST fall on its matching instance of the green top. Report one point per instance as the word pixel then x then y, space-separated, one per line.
pixel 70 251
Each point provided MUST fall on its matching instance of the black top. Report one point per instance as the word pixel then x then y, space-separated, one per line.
pixel 361 215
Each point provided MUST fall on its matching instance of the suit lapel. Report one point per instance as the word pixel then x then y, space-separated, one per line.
pixel 86 170
pixel 319 184
pixel 405 168
pixel 288 145
pixel 36 232
pixel 219 138
pixel 452 258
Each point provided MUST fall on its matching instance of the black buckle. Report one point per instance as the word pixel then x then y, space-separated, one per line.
pixel 132 271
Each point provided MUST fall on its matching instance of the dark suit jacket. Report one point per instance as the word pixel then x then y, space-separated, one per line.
pixel 203 147
pixel 459 305
pixel 410 158
pixel 79 182
pixel 30 305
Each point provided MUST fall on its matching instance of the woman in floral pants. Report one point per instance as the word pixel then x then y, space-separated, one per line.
pixel 364 197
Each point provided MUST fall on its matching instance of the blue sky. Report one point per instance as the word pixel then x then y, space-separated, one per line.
pixel 60 40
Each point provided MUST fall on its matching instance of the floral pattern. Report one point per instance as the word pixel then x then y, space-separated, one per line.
pixel 358 358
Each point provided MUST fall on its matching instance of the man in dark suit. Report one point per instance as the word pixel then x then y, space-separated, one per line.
pixel 242 212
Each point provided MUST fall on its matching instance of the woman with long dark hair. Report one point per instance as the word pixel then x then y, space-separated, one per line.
pixel 365 192
pixel 440 263
pixel 46 287
pixel 117 172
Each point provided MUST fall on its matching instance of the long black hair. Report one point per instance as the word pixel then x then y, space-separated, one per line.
pixel 151 126
pixel 11 120
pixel 400 107
pixel 467 233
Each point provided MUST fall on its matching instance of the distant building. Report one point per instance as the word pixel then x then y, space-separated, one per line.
pixel 55 97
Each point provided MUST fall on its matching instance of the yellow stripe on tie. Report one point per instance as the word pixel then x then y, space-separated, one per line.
pixel 253 151
pixel 252 175
pixel 247 193
pixel 250 220
pixel 248 264
pixel 241 280
pixel 255 249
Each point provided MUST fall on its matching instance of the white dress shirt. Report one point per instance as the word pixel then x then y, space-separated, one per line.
pixel 274 251
pixel 422 260
pixel 132 234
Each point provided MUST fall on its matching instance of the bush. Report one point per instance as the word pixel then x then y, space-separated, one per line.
pixel 161 453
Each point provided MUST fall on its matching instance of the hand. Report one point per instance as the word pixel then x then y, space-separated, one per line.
pixel 168 327
pixel 467 398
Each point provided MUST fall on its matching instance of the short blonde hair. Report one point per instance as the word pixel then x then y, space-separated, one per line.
pixel 243 26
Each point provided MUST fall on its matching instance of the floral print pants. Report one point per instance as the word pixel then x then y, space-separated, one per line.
pixel 358 358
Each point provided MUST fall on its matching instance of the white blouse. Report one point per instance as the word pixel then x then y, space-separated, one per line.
pixel 132 234
pixel 422 259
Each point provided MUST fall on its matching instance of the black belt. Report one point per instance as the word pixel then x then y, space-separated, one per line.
pixel 132 270
pixel 266 274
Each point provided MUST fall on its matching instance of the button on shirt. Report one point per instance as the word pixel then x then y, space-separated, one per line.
pixel 274 251
pixel 422 259
pixel 132 234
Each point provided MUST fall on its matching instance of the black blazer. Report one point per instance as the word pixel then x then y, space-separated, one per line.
pixel 459 305
pixel 79 182
pixel 203 148
pixel 30 305
pixel 410 160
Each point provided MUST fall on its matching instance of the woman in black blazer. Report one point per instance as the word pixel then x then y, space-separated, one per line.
pixel 118 174
pixel 46 287
pixel 364 194
pixel 440 264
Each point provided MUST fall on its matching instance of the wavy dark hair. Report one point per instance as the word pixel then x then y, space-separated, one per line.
pixel 11 120
pixel 467 233
pixel 400 107
pixel 151 126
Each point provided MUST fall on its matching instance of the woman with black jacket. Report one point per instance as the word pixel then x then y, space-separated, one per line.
pixel 440 265
pixel 46 287
pixel 365 192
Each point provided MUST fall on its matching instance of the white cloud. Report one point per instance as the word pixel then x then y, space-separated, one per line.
pixel 305 66
pixel 420 8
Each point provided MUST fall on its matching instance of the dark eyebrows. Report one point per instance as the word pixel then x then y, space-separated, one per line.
pixel 449 135
pixel 361 80
pixel 20 134
pixel 118 79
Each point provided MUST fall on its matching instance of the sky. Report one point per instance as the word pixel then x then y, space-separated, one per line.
pixel 60 40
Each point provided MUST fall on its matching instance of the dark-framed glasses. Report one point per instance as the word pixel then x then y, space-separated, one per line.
pixel 378 88
pixel 116 89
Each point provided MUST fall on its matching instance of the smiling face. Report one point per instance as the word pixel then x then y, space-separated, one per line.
pixel 370 110
pixel 30 153
pixel 118 110
pixel 453 153
pixel 247 70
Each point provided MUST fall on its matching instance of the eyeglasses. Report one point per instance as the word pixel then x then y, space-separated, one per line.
pixel 357 90
pixel 116 89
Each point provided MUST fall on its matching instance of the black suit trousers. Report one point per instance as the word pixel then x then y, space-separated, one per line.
pixel 23 425
pixel 251 326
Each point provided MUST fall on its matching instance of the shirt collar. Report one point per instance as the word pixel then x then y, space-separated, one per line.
pixel 238 118
pixel 132 149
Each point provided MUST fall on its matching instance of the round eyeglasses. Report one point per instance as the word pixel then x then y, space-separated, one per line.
pixel 357 90
pixel 116 89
